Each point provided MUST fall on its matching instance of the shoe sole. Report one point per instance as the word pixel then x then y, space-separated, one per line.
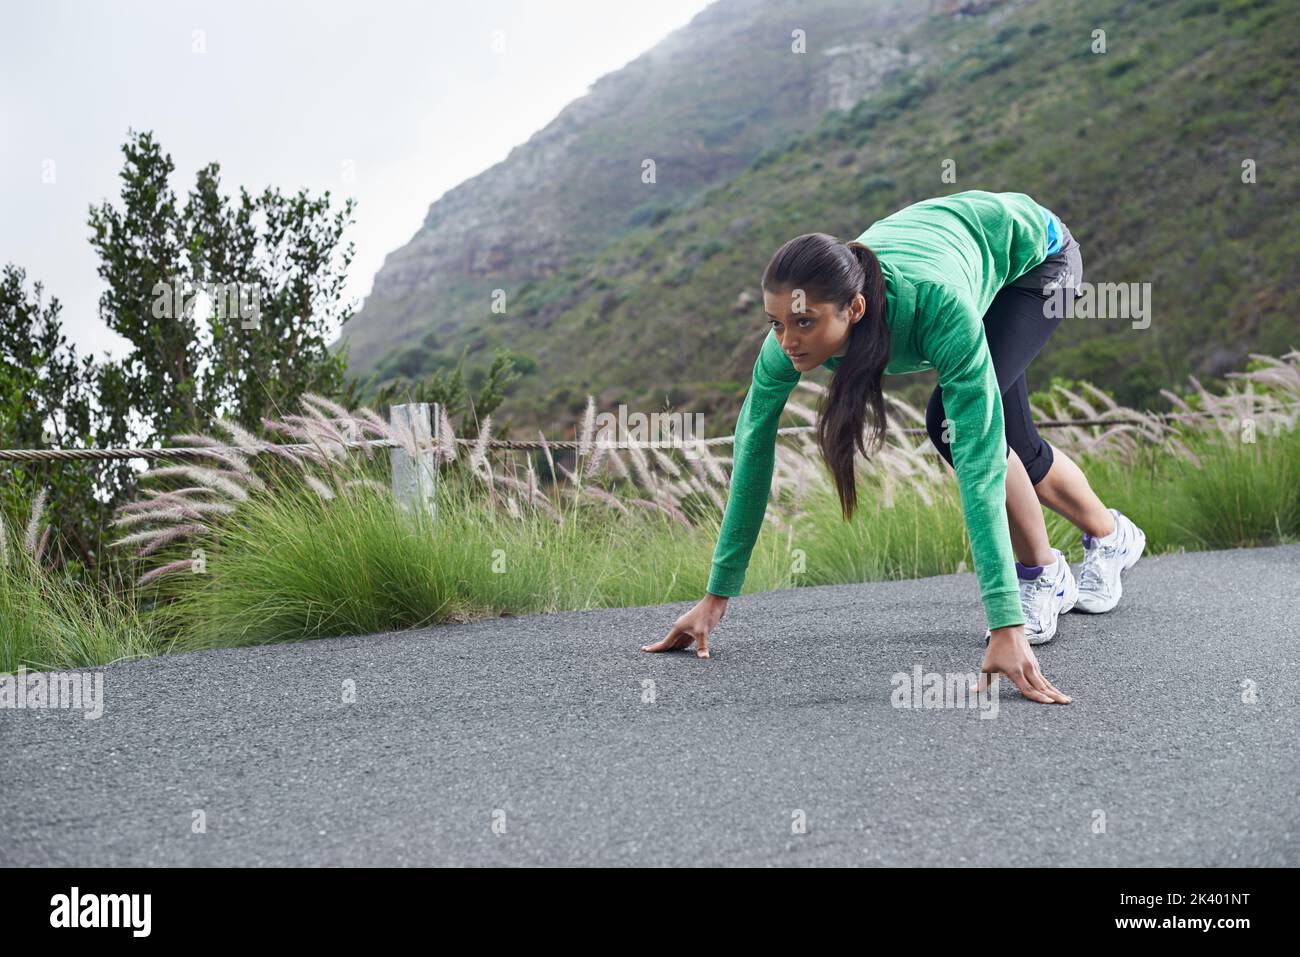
pixel 1119 582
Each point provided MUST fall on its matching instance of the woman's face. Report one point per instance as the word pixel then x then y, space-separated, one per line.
pixel 811 332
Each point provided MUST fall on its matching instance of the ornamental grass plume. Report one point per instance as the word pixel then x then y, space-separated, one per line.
pixel 334 440
pixel 335 444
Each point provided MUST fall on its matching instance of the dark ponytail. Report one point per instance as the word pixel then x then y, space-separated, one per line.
pixel 828 270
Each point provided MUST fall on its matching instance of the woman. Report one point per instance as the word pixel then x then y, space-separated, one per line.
pixel 907 295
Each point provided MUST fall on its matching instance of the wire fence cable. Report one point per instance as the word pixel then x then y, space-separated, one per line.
pixel 180 452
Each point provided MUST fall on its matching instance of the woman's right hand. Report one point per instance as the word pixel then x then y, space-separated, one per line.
pixel 1009 653
pixel 693 627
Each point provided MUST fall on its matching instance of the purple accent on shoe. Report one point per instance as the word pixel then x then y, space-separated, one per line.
pixel 1028 572
pixel 1088 540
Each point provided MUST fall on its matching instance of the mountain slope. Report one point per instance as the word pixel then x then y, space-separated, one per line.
pixel 702 104
pixel 1139 149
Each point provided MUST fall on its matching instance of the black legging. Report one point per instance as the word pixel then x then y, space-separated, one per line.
pixel 1016 329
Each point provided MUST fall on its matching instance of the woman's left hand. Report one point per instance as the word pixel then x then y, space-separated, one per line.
pixel 1009 653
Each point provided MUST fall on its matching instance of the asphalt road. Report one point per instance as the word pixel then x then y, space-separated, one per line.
pixel 537 740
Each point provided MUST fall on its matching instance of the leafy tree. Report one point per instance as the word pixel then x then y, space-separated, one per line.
pixel 295 263
pixel 268 272
pixel 51 399
pixel 139 250
pixel 243 358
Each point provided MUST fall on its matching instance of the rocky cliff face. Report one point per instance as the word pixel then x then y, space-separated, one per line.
pixel 852 70
pixel 701 104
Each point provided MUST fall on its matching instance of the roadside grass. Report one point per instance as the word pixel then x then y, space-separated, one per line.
pixel 313 544
pixel 50 622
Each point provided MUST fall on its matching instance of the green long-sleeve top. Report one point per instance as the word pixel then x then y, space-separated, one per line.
pixel 943 259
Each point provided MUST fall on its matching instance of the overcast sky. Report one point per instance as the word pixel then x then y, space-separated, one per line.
pixel 412 95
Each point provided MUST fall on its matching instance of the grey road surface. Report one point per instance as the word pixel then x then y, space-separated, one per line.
pixel 552 740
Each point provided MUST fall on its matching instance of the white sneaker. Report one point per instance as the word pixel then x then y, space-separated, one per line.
pixel 1044 599
pixel 1104 560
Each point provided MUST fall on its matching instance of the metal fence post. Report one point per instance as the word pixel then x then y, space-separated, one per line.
pixel 414 477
